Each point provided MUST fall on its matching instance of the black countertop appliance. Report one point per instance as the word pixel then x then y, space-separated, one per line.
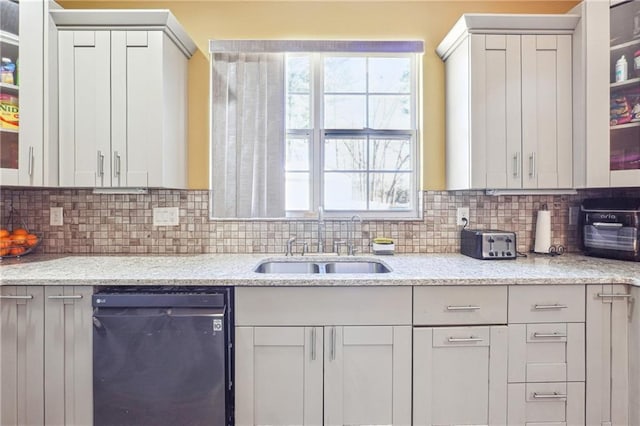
pixel 610 227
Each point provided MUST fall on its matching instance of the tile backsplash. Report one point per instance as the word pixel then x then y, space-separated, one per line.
pixel 123 223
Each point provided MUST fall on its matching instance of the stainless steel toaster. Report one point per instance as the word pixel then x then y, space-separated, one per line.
pixel 488 244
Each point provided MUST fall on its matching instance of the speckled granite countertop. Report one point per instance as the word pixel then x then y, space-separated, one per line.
pixel 237 270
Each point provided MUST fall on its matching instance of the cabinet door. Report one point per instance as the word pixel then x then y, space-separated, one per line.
pixel 68 384
pixel 21 355
pixel 84 108
pixel 460 375
pixel 278 375
pixel 367 377
pixel 496 105
pixel 547 139
pixel 607 354
pixel 137 106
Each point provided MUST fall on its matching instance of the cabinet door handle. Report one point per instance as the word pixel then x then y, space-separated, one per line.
pixel 532 165
pixel 554 334
pixel 624 295
pixel 30 162
pixel 516 165
pixel 555 306
pixel 313 344
pixel 462 308
pixel 27 297
pixel 60 296
pixel 465 339
pixel 552 395
pixel 100 164
pixel 333 344
pixel 116 160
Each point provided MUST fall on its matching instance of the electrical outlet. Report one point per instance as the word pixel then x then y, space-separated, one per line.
pixel 462 212
pixel 573 215
pixel 166 216
pixel 55 216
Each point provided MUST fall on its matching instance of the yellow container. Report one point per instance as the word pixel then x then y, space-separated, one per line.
pixel 9 112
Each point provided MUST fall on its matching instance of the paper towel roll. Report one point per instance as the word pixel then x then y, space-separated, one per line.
pixel 543 232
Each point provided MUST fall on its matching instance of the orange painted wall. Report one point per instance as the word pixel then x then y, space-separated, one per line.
pixel 422 20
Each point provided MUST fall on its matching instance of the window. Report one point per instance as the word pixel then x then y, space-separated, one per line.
pixel 348 121
pixel 351 133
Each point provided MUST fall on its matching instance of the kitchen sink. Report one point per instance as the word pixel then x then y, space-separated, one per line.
pixel 359 267
pixel 316 267
pixel 288 268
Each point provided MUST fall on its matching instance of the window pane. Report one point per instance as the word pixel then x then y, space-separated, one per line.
pixel 297 154
pixel 390 154
pixel 390 112
pixel 345 191
pixel 297 191
pixel 389 75
pixel 298 112
pixel 298 74
pixel 343 74
pixel 345 154
pixel 344 112
pixel 390 191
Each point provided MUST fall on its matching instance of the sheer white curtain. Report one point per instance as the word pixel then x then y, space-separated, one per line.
pixel 248 134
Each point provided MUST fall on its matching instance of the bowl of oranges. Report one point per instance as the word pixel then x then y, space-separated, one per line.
pixel 17 242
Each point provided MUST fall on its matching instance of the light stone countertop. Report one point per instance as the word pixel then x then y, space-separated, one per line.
pixel 237 270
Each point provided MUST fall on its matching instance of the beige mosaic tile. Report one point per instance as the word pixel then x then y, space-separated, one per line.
pixel 111 224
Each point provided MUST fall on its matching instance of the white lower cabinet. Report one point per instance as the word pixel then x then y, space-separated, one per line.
pixel 546 355
pixel 329 375
pixel 45 357
pixel 460 375
pixel 610 310
pixel 323 355
pixel 21 355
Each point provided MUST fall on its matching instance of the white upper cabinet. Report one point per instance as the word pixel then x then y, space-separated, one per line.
pixel 123 120
pixel 28 144
pixel 509 102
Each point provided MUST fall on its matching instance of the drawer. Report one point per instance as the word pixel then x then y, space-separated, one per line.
pixel 548 403
pixel 461 336
pixel 454 305
pixel 256 306
pixel 536 303
pixel 546 352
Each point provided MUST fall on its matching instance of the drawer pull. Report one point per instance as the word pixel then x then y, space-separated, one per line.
pixel 547 307
pixel 462 308
pixel 603 295
pixel 59 296
pixel 555 334
pixel 16 297
pixel 465 339
pixel 313 344
pixel 552 395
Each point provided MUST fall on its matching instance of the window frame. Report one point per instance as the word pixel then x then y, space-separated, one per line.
pixel 317 136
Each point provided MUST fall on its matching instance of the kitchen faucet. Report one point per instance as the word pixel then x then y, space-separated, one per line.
pixel 351 234
pixel 290 242
pixel 320 229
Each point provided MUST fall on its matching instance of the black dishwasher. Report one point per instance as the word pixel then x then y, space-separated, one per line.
pixel 163 356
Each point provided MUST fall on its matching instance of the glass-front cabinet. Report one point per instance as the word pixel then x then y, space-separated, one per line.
pixel 28 145
pixel 9 89
pixel 624 118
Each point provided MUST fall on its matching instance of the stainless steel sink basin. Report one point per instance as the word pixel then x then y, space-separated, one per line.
pixel 322 267
pixel 288 268
pixel 358 267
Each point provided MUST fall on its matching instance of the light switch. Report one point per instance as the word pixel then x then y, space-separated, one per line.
pixel 55 216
